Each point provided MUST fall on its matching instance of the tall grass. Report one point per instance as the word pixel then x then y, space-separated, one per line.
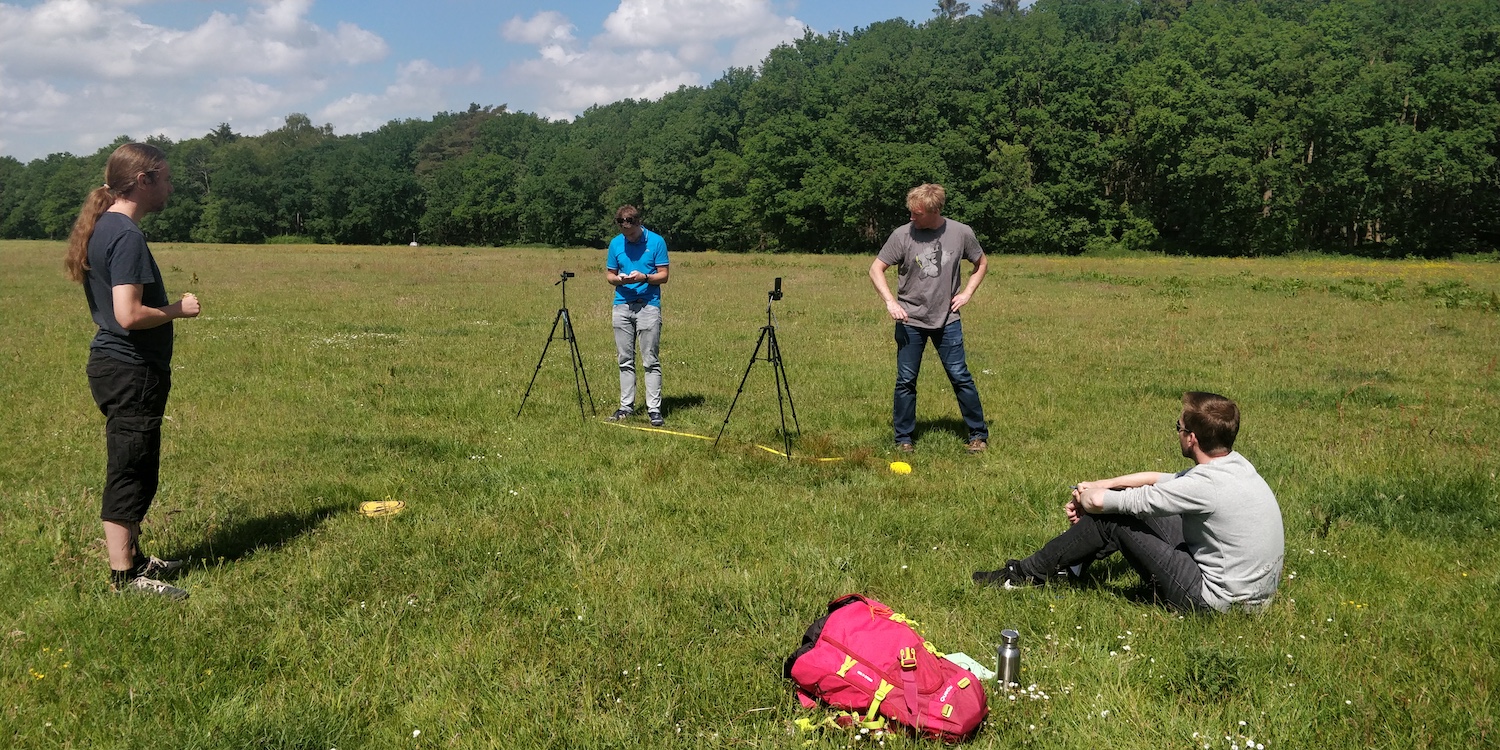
pixel 562 582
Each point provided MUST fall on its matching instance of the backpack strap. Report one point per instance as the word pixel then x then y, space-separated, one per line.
pixel 904 620
pixel 840 721
pixel 909 685
pixel 848 662
pixel 876 699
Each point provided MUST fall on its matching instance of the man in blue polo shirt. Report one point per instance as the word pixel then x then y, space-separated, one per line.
pixel 637 267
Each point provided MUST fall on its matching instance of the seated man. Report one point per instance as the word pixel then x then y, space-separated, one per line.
pixel 1209 537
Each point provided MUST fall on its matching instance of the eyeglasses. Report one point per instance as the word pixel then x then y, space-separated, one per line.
pixel 1181 430
pixel 628 221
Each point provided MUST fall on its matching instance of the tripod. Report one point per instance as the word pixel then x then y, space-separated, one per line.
pixel 773 355
pixel 580 378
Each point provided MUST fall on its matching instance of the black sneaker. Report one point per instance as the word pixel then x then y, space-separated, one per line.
pixel 1008 577
pixel 656 418
pixel 619 415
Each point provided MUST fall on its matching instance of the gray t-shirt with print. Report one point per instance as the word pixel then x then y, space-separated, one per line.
pixel 928 274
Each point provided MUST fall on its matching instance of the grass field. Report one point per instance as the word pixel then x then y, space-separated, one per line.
pixel 558 582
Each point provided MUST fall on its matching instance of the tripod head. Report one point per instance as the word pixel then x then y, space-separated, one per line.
pixel 772 296
pixel 562 278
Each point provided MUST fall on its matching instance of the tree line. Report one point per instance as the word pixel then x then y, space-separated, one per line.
pixel 1205 127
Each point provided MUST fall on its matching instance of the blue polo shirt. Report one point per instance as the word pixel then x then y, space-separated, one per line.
pixel 644 256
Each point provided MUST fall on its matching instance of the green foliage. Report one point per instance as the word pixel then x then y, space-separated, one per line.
pixel 1103 127
pixel 289 239
pixel 1453 294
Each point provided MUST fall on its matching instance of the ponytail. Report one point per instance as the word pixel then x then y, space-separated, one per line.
pixel 94 206
pixel 124 164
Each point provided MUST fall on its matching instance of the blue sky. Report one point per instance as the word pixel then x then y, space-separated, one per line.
pixel 74 74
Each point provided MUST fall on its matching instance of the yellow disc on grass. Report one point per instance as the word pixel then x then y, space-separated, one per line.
pixel 381 508
pixel 900 467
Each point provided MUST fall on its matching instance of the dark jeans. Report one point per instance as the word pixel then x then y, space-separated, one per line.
pixel 1153 546
pixel 911 342
pixel 133 399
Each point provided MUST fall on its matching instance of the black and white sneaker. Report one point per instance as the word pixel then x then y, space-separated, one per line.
pixel 656 418
pixel 619 415
pixel 155 567
pixel 150 587
pixel 1009 577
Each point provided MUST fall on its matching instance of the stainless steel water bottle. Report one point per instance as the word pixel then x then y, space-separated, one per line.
pixel 1008 665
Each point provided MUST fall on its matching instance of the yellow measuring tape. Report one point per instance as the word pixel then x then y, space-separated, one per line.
pixel 658 429
pixel 705 437
pixel 783 455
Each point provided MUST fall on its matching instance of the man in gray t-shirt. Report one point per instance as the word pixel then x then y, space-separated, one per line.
pixel 926 253
pixel 1209 537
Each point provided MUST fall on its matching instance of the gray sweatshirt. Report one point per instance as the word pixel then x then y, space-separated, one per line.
pixel 1230 521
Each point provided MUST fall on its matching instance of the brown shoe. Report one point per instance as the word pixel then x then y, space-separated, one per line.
pixel 977 445
pixel 905 448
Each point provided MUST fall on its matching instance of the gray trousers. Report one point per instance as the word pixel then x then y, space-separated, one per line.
pixel 1153 546
pixel 638 321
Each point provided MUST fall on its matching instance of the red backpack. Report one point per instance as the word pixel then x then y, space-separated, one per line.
pixel 862 656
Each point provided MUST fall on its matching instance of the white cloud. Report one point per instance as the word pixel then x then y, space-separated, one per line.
pixel 648 48
pixel 418 91
pixel 74 74
pixel 547 27
pixel 650 23
pixel 99 39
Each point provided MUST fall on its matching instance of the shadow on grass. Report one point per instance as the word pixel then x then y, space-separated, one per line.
pixel 237 539
pixel 945 424
pixel 670 404
pixel 242 539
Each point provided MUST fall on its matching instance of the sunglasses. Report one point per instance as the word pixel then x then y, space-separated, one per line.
pixel 628 221
pixel 1181 429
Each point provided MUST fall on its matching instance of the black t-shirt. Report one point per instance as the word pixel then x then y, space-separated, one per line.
pixel 118 255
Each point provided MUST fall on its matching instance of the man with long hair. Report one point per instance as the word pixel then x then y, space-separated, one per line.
pixel 1209 537
pixel 130 358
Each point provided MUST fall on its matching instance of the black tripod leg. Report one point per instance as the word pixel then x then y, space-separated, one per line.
pixel 580 371
pixel 575 359
pixel 774 355
pixel 539 361
pixel 746 376
pixel 781 367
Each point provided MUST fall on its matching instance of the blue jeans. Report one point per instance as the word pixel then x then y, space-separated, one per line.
pixel 911 342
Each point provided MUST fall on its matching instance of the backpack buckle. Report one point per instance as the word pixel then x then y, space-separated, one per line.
pixel 908 658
